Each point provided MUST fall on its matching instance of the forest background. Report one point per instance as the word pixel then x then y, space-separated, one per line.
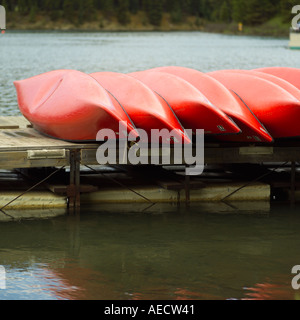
pixel 256 17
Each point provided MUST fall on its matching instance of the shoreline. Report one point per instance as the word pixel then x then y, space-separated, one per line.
pixel 121 30
pixel 271 28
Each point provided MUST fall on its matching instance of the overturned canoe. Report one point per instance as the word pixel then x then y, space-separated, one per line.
pixel 291 75
pixel 146 109
pixel 192 108
pixel 69 105
pixel 274 106
pixel 276 80
pixel 252 129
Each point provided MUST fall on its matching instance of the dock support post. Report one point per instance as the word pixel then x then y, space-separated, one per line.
pixel 74 187
pixel 293 182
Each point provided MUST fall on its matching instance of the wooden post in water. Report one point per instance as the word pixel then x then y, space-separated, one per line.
pixel 73 192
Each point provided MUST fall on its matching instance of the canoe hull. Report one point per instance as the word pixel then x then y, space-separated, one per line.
pixel 252 129
pixel 69 105
pixel 191 107
pixel 147 110
pixel 291 75
pixel 275 107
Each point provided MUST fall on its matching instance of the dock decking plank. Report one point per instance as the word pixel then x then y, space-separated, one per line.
pixel 14 122
pixel 30 139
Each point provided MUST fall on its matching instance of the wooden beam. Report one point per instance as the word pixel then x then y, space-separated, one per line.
pixel 14 122
pixel 63 189
pixel 19 159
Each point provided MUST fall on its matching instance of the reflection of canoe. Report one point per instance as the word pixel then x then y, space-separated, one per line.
pixel 69 105
pixel 278 290
pixel 275 107
pixel 191 107
pixel 291 75
pixel 146 109
pixel 228 102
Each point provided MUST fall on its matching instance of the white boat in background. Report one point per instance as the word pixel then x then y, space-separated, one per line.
pixel 294 39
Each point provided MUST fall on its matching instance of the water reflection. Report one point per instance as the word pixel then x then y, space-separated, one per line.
pixel 172 253
pixel 271 291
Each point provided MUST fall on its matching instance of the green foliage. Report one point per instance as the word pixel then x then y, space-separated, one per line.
pixel 85 12
pixel 134 6
pixel 154 11
pixel 123 12
pixel 250 12
pixel 32 14
pixel 258 11
pixel 285 9
pixel 176 13
pixel 107 6
pixel 238 10
pixel 225 12
pixel 69 10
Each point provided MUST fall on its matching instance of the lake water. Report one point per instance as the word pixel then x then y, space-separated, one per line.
pixel 135 252
pixel 163 253
pixel 27 54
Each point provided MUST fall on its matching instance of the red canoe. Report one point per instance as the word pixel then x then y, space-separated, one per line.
pixel 291 75
pixel 228 102
pixel 275 107
pixel 191 107
pixel 279 81
pixel 69 105
pixel 146 109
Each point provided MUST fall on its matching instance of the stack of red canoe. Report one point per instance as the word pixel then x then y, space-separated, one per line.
pixel 257 106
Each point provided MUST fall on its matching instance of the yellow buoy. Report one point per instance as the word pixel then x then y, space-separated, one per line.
pixel 240 27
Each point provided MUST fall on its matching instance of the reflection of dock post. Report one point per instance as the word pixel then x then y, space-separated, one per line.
pixel 74 187
pixel 187 190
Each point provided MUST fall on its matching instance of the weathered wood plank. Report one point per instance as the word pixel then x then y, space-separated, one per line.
pixel 222 155
pixel 14 122
pixel 19 159
pixel 176 185
pixel 30 139
pixel 63 189
pixel 233 155
pixel 4 124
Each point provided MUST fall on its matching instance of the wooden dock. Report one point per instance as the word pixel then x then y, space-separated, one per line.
pixel 22 147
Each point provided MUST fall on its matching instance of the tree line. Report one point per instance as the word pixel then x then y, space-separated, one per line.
pixel 249 12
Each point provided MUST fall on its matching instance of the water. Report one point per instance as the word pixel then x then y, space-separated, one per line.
pixel 164 253
pixel 27 54
pixel 134 252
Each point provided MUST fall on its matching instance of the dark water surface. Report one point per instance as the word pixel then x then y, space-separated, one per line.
pixel 167 252
pixel 134 252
